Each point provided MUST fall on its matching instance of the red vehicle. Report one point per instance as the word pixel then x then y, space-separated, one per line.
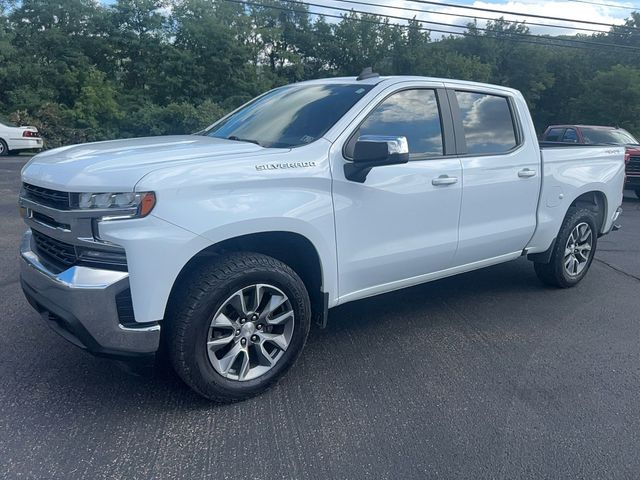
pixel 592 134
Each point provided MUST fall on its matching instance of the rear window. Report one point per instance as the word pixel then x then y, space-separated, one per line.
pixel 488 123
pixel 6 123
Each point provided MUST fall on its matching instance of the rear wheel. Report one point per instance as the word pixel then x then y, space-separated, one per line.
pixel 4 150
pixel 573 251
pixel 238 326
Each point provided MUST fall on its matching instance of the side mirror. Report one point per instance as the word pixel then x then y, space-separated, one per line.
pixel 375 151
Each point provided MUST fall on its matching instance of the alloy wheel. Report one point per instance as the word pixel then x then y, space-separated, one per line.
pixel 250 332
pixel 577 250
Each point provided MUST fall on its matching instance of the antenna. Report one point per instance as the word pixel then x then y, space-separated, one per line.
pixel 367 72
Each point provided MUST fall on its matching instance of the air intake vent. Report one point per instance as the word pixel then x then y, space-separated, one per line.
pixel 125 308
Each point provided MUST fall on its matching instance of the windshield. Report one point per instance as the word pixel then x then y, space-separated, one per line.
pixel 615 137
pixel 290 116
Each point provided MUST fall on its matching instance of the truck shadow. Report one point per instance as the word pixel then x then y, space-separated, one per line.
pixel 501 281
pixel 423 308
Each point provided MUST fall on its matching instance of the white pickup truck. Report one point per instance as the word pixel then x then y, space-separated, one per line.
pixel 224 246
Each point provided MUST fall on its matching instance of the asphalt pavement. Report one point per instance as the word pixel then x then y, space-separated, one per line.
pixel 484 375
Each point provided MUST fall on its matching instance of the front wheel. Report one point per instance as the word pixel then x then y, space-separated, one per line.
pixel 4 150
pixel 573 251
pixel 238 325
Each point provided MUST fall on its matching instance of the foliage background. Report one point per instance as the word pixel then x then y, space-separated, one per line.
pixel 82 71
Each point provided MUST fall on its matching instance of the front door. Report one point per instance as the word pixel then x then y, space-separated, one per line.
pixel 402 222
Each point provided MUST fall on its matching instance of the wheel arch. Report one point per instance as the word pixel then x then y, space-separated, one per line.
pixel 594 200
pixel 291 248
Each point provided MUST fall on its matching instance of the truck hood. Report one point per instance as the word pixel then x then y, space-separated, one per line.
pixel 119 164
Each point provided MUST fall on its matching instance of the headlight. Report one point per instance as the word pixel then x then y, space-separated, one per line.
pixel 125 205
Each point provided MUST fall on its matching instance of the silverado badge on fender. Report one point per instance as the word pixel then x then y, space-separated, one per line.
pixel 279 166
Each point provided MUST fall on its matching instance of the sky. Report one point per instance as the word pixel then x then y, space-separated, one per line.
pixel 612 13
pixel 602 11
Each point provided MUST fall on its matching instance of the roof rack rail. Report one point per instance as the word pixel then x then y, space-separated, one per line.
pixel 367 72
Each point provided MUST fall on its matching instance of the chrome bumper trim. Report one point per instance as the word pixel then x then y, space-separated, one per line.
pixel 82 299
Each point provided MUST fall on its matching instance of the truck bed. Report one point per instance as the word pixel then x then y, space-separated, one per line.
pixel 568 171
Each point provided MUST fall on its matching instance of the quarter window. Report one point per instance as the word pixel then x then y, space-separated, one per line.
pixel 410 113
pixel 488 123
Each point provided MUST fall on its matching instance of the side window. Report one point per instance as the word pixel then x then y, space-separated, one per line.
pixel 488 123
pixel 554 135
pixel 570 136
pixel 410 113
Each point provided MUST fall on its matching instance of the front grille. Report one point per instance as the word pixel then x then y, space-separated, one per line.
pixel 47 197
pixel 60 254
pixel 125 307
pixel 633 166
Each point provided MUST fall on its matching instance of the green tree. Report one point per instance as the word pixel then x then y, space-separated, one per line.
pixel 80 70
pixel 612 97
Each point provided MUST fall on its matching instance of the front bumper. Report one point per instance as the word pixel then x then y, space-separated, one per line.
pixel 80 305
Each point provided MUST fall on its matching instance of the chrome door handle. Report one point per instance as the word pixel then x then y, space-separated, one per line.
pixel 526 173
pixel 444 180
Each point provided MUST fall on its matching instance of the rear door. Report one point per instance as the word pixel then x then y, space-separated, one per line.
pixel 500 171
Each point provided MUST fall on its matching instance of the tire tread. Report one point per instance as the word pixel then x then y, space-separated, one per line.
pixel 213 279
pixel 552 273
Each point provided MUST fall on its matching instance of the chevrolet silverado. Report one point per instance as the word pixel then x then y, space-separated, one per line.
pixel 223 247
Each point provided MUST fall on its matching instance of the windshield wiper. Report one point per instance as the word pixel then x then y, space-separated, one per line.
pixel 238 139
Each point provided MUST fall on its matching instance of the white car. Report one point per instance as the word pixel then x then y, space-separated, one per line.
pixel 231 242
pixel 14 138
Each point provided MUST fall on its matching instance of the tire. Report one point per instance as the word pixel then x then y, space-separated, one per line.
pixel 637 192
pixel 556 273
pixel 4 150
pixel 211 299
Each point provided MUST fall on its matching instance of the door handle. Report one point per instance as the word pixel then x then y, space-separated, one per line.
pixel 526 173
pixel 444 180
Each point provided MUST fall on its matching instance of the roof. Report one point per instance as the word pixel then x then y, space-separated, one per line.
pixel 391 80
pixel 600 127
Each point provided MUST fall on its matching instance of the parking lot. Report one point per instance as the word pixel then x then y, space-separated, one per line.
pixel 484 375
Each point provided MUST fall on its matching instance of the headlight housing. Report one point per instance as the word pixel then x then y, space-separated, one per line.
pixel 124 205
